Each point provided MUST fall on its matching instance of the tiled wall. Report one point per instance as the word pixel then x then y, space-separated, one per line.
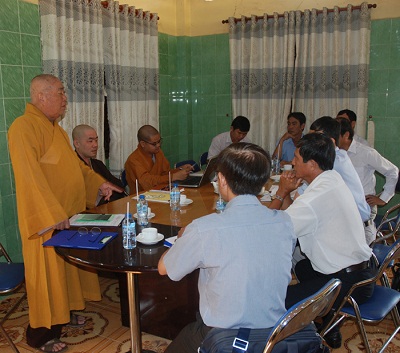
pixel 384 91
pixel 20 61
pixel 195 100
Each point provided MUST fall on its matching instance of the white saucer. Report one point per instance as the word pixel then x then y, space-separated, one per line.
pixel 275 177
pixel 186 202
pixel 149 217
pixel 140 239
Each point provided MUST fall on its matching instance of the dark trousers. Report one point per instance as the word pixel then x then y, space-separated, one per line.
pixel 37 337
pixel 190 338
pixel 311 281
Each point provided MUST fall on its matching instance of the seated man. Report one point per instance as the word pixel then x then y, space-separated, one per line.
pixel 244 254
pixel 285 147
pixel 239 128
pixel 327 224
pixel 366 161
pixel 352 117
pixel 85 141
pixel 148 165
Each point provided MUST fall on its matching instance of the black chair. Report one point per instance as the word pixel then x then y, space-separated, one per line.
pixel 11 278
pixel 195 166
pixel 383 301
pixel 203 159
pixel 304 313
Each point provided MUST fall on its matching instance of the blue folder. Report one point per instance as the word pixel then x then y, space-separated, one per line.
pixel 72 239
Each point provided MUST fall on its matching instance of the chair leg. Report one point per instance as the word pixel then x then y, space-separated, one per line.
pixel 360 325
pixel 3 331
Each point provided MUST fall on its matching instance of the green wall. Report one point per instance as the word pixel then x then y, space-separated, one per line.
pixel 20 61
pixel 195 99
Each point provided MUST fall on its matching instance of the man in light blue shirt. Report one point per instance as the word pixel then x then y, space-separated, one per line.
pixel 241 253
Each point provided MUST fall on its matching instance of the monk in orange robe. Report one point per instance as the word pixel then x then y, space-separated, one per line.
pixel 148 165
pixel 52 184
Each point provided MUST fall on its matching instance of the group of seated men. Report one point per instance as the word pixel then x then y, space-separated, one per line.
pixel 329 163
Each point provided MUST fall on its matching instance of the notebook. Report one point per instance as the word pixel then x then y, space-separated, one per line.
pixel 195 181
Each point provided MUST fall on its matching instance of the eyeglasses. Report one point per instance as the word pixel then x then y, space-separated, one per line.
pixel 154 144
pixel 93 233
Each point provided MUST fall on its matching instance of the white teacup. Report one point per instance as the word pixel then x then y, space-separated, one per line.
pixel 287 167
pixel 149 234
pixel 148 211
pixel 183 198
pixel 215 185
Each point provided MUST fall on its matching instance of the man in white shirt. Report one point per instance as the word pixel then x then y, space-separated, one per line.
pixel 327 224
pixel 366 161
pixel 352 117
pixel 238 133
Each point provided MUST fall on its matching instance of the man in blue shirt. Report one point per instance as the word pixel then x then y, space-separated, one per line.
pixel 230 250
pixel 286 146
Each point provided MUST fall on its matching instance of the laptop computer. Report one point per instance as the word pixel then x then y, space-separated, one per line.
pixel 195 181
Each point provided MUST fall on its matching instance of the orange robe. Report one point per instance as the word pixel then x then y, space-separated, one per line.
pixel 140 166
pixel 52 184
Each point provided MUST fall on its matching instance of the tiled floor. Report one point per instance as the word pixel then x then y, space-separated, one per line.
pixel 103 332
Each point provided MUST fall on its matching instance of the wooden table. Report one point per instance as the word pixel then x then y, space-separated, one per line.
pixel 144 259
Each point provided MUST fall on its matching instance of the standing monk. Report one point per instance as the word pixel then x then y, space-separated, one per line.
pixel 52 184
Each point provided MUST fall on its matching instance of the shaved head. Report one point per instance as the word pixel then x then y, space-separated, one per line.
pixel 79 131
pixel 146 132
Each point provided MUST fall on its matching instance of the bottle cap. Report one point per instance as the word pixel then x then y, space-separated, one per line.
pixel 141 197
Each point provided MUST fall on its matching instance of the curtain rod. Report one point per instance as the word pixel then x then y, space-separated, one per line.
pixel 121 7
pixel 282 15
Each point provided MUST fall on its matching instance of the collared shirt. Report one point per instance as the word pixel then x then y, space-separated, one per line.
pixel 366 161
pixel 288 148
pixel 349 175
pixel 328 225
pixel 244 256
pixel 361 140
pixel 220 142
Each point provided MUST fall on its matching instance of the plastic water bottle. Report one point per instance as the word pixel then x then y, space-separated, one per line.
pixel 175 198
pixel 128 232
pixel 220 205
pixel 142 209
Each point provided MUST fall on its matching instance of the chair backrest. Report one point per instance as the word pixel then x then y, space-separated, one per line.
pixel 11 273
pixel 390 220
pixel 193 163
pixel 203 159
pixel 303 313
pixel 123 178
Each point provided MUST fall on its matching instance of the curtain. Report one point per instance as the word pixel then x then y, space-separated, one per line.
pixel 98 52
pixel 262 64
pixel 312 62
pixel 332 63
pixel 72 50
pixel 131 77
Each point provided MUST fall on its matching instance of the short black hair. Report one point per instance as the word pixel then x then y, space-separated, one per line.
pixel 352 116
pixel 327 125
pixel 245 166
pixel 319 148
pixel 298 116
pixel 345 126
pixel 241 123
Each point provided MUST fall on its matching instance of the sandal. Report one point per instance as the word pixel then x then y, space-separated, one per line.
pixel 75 319
pixel 49 346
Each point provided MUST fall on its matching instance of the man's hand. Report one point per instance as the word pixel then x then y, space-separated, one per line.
pixel 180 174
pixel 62 225
pixel 285 137
pixel 106 189
pixel 374 200
pixel 287 183
pixel 186 167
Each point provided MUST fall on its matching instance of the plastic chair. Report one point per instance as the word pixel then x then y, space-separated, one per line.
pixel 304 313
pixel 11 278
pixel 195 166
pixel 382 302
pixel 203 159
